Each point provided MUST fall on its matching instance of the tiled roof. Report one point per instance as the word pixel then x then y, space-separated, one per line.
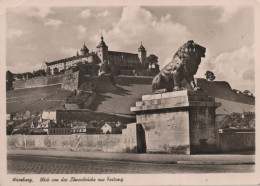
pixel 68 59
pixel 84 48
pixel 120 53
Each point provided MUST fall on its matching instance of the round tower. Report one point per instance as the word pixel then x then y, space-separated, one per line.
pixel 142 53
pixel 84 50
pixel 102 50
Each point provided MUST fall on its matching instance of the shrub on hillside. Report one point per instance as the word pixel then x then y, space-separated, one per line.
pixel 239 120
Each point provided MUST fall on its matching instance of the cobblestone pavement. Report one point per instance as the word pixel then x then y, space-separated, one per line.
pixel 25 164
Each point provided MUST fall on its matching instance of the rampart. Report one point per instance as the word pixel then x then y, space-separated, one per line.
pixel 38 82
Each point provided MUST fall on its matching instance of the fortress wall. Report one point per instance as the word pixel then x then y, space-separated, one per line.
pixel 86 143
pixel 35 82
pixel 88 115
pixel 87 83
pixel 56 79
pixel 70 80
pixel 104 83
pixel 19 84
pixel 38 81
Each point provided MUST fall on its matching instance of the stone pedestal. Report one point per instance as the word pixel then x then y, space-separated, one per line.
pixel 180 122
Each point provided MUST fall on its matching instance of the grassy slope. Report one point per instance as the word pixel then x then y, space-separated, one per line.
pixel 35 99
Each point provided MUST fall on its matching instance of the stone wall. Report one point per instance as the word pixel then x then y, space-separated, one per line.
pixel 38 82
pixel 237 141
pixel 166 132
pixel 87 143
pixel 125 142
pixel 18 84
pixel 70 80
pixel 104 83
pixel 180 122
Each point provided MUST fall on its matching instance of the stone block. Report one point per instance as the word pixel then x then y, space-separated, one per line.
pixel 180 122
pixel 174 94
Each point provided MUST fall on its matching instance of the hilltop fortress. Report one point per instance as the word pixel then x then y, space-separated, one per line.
pixel 120 62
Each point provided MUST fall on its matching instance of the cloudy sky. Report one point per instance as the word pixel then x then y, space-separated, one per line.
pixel 42 34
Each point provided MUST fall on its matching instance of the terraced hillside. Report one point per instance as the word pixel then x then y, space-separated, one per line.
pixel 129 90
pixel 35 99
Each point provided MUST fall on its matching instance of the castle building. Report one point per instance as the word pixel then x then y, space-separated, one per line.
pixel 120 61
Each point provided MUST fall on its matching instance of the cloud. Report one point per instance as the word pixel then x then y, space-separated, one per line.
pixel 68 51
pixel 85 13
pixel 12 33
pixel 236 67
pixel 39 12
pixel 82 31
pixel 27 47
pixel 103 14
pixel 228 12
pixel 137 24
pixel 55 23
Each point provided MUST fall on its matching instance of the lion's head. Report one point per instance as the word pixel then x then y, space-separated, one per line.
pixel 191 53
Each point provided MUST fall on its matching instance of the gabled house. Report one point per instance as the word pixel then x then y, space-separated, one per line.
pixel 49 115
pixel 107 129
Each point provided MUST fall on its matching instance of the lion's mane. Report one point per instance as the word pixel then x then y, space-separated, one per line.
pixel 183 65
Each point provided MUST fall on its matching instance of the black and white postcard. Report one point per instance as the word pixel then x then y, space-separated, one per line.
pixel 129 92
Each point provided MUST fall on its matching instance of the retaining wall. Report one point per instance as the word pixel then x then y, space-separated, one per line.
pixel 236 141
pixel 18 84
pixel 38 82
pixel 94 143
pixel 125 142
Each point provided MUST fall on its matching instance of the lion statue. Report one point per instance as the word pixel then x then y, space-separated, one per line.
pixel 183 65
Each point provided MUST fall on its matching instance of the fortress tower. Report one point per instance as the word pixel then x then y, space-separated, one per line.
pixel 102 50
pixel 84 50
pixel 142 53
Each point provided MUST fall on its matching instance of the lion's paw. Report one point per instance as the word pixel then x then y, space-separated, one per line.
pixel 177 88
pixel 197 89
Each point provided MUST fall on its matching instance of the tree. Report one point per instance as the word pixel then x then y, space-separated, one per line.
pixel 151 60
pixel 19 76
pixel 9 80
pixel 246 92
pixel 210 76
pixel 29 75
pixel 39 73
